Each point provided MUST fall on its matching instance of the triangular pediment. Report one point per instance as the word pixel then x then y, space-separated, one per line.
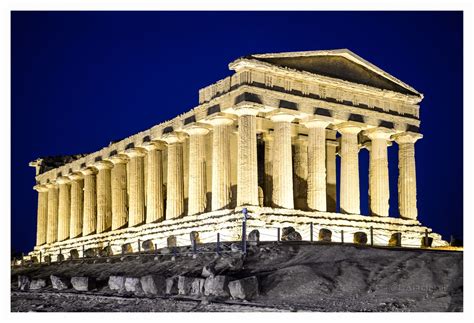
pixel 340 64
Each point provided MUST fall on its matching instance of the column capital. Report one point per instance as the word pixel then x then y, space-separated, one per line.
pixel 51 185
pixel 220 120
pixel 245 110
pixel 75 176
pixel 407 137
pixel 40 188
pixel 154 145
pixel 282 117
pixel 172 137
pixel 316 123
pixel 90 170
pixel 349 127
pixel 196 129
pixel 379 133
pixel 118 159
pixel 63 180
pixel 135 152
pixel 103 164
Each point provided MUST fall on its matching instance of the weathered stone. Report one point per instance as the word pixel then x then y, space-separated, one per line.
pixel 106 252
pixel 148 245
pixel 246 288
pixel 171 286
pixel 37 284
pixel 74 254
pixel 325 235
pixel 194 237
pixel 132 284
pixel 184 285
pixel 360 238
pixel 216 286
pixel 165 251
pixel 91 252
pixel 290 234
pixel 153 284
pixel 395 240
pixel 171 241
pixel 117 283
pixel 127 248
pixel 60 257
pixel 59 283
pixel 236 247
pixel 83 284
pixel 197 287
pixel 254 237
pixel 208 270
pixel 23 282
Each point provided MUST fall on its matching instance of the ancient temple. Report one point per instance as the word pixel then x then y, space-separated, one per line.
pixel 266 138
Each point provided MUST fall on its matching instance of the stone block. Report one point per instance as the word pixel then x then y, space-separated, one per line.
pixel 38 284
pixel 23 282
pixel 74 254
pixel 133 285
pixel 360 238
pixel 60 257
pixel 246 288
pixel 153 285
pixel 184 285
pixel 208 270
pixel 106 252
pixel 216 286
pixel 171 241
pixel 148 245
pixel 59 283
pixel 325 235
pixel 290 234
pixel 254 237
pixel 194 237
pixel 117 283
pixel 197 287
pixel 395 240
pixel 91 253
pixel 171 286
pixel 127 248
pixel 236 247
pixel 83 284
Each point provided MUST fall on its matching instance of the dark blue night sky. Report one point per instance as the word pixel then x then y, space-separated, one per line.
pixel 82 79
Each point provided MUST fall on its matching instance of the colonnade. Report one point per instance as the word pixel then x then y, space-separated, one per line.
pixel 96 199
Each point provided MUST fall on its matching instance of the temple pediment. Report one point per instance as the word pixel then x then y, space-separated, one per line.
pixel 340 64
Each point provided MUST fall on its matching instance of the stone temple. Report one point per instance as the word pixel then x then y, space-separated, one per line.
pixel 266 138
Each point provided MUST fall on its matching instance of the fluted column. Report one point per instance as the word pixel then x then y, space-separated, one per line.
pixel 283 165
pixel 247 168
pixel 64 208
pixel 104 196
pixel 317 164
pixel 119 192
pixel 220 162
pixel 407 175
pixel 175 186
pixel 300 173
pixel 268 166
pixel 77 202
pixel 379 188
pixel 53 203
pixel 350 194
pixel 331 182
pixel 154 192
pixel 42 219
pixel 136 199
pixel 197 169
pixel 89 223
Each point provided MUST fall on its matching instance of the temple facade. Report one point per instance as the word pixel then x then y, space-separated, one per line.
pixel 266 138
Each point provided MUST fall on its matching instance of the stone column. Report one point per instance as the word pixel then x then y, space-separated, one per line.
pixel 154 192
pixel 136 199
pixel 220 162
pixel 89 223
pixel 407 175
pixel 53 204
pixel 268 166
pixel 64 208
pixel 350 195
pixel 282 163
pixel 379 188
pixel 119 192
pixel 42 219
pixel 104 196
pixel 197 169
pixel 331 182
pixel 77 202
pixel 300 173
pixel 317 165
pixel 175 186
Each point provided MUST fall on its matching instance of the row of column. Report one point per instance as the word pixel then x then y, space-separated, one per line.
pixel 96 200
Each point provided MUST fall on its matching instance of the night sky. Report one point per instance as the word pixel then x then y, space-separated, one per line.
pixel 83 79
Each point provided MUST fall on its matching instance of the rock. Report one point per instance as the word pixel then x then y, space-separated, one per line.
pixel 194 237
pixel 208 270
pixel 171 241
pixel 171 286
pixel 59 283
pixel 127 249
pixel 246 288
pixel 148 245
pixel 74 254
pixel 236 247
pixel 216 286
pixel 197 287
pixel 360 238
pixel 290 234
pixel 90 253
pixel 106 252
pixel 83 284
pixel 23 282
pixel 37 284
pixel 153 285
pixel 117 283
pixel 184 285
pixel 132 284
pixel 395 240
pixel 254 237
pixel 165 251
pixel 325 235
